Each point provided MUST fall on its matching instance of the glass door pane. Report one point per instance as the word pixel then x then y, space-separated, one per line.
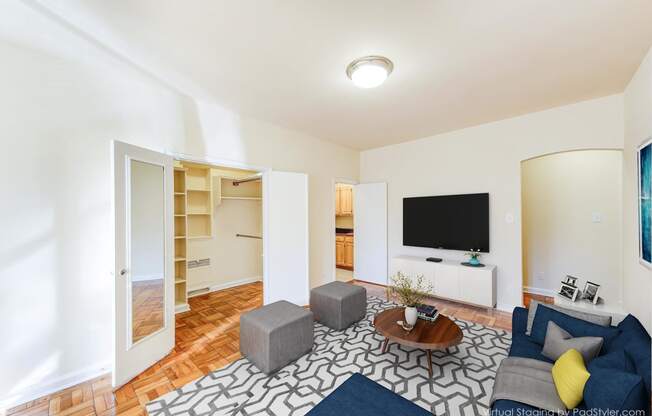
pixel 147 249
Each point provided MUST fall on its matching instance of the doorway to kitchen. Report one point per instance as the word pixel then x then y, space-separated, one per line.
pixel 344 233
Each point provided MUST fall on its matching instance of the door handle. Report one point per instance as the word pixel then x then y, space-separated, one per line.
pixel 123 272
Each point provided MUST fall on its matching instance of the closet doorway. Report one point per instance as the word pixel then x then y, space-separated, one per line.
pixel 218 215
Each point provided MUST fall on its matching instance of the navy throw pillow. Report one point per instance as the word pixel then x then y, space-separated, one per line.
pixel 635 340
pixel 615 360
pixel 615 390
pixel 576 327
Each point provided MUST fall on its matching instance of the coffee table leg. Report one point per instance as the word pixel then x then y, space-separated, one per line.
pixel 429 354
pixel 385 345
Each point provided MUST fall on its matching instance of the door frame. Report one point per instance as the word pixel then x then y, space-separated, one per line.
pixel 335 181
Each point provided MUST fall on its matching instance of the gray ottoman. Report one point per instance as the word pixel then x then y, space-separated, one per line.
pixel 337 305
pixel 275 335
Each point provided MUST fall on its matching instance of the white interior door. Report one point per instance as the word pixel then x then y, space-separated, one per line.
pixel 144 263
pixel 285 237
pixel 370 233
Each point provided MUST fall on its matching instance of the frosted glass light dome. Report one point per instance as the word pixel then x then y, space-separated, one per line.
pixel 369 71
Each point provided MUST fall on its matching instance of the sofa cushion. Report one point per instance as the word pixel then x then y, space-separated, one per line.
pixel 615 390
pixel 558 341
pixel 510 407
pixel 519 320
pixel 576 327
pixel 636 341
pixel 523 346
pixel 602 320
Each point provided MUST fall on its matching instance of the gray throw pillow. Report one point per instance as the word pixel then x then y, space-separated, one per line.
pixel 558 341
pixel 602 320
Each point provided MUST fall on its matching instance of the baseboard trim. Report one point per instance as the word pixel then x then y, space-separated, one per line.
pixel 505 307
pixel 51 386
pixel 223 286
pixel 539 291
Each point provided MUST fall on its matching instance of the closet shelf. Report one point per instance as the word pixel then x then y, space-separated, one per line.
pixel 179 215
pixel 179 193
pixel 197 237
pixel 199 213
pixel 197 190
pixel 179 280
pixel 244 198
pixel 179 259
pixel 179 237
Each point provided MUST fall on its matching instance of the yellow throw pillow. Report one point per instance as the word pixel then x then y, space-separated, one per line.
pixel 570 375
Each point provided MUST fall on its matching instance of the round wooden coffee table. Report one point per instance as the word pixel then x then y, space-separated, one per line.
pixel 438 335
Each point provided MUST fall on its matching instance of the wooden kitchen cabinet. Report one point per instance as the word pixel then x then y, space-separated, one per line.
pixel 348 251
pixel 339 251
pixel 344 251
pixel 344 200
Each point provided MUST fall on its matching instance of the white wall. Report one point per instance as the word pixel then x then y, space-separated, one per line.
pixel 63 100
pixel 233 259
pixel 638 127
pixel 147 221
pixel 561 194
pixel 487 158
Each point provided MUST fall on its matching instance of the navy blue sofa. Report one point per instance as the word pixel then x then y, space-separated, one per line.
pixel 620 375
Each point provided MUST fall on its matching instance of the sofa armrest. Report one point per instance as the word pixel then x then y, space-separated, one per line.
pixel 519 320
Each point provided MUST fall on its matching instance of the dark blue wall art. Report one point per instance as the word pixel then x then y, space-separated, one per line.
pixel 645 202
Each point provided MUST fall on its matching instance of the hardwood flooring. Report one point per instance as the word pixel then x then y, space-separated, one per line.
pixel 207 338
pixel 527 297
pixel 147 306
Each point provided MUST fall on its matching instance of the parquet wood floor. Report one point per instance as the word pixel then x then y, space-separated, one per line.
pixel 207 338
pixel 527 297
pixel 147 306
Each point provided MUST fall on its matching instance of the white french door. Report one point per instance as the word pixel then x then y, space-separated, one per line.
pixel 370 233
pixel 144 263
pixel 285 237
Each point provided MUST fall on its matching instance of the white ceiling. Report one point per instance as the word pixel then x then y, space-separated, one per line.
pixel 457 63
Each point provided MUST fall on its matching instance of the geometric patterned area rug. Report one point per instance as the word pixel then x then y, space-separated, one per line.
pixel 461 384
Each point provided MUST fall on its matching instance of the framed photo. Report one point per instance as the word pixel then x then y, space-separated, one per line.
pixel 591 292
pixel 569 291
pixel 571 280
pixel 644 202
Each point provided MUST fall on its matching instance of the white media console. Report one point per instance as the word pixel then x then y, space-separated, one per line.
pixel 451 280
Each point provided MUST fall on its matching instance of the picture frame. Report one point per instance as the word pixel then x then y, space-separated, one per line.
pixel 571 280
pixel 590 292
pixel 568 291
pixel 644 202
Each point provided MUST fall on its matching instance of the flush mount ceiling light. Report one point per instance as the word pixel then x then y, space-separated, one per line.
pixel 369 71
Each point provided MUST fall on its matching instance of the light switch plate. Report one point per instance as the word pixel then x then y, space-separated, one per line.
pixel 596 217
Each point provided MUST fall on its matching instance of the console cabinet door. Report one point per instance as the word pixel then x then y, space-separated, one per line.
pixel 476 286
pixel 447 281
pixel 413 269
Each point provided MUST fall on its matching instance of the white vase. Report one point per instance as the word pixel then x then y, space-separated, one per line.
pixel 410 315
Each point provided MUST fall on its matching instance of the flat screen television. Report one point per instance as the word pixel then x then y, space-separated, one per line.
pixel 452 222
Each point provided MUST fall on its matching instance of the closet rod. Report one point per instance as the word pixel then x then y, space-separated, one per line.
pixel 249 236
pixel 256 177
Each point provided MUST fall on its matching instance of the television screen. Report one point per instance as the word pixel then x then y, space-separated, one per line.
pixel 453 222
